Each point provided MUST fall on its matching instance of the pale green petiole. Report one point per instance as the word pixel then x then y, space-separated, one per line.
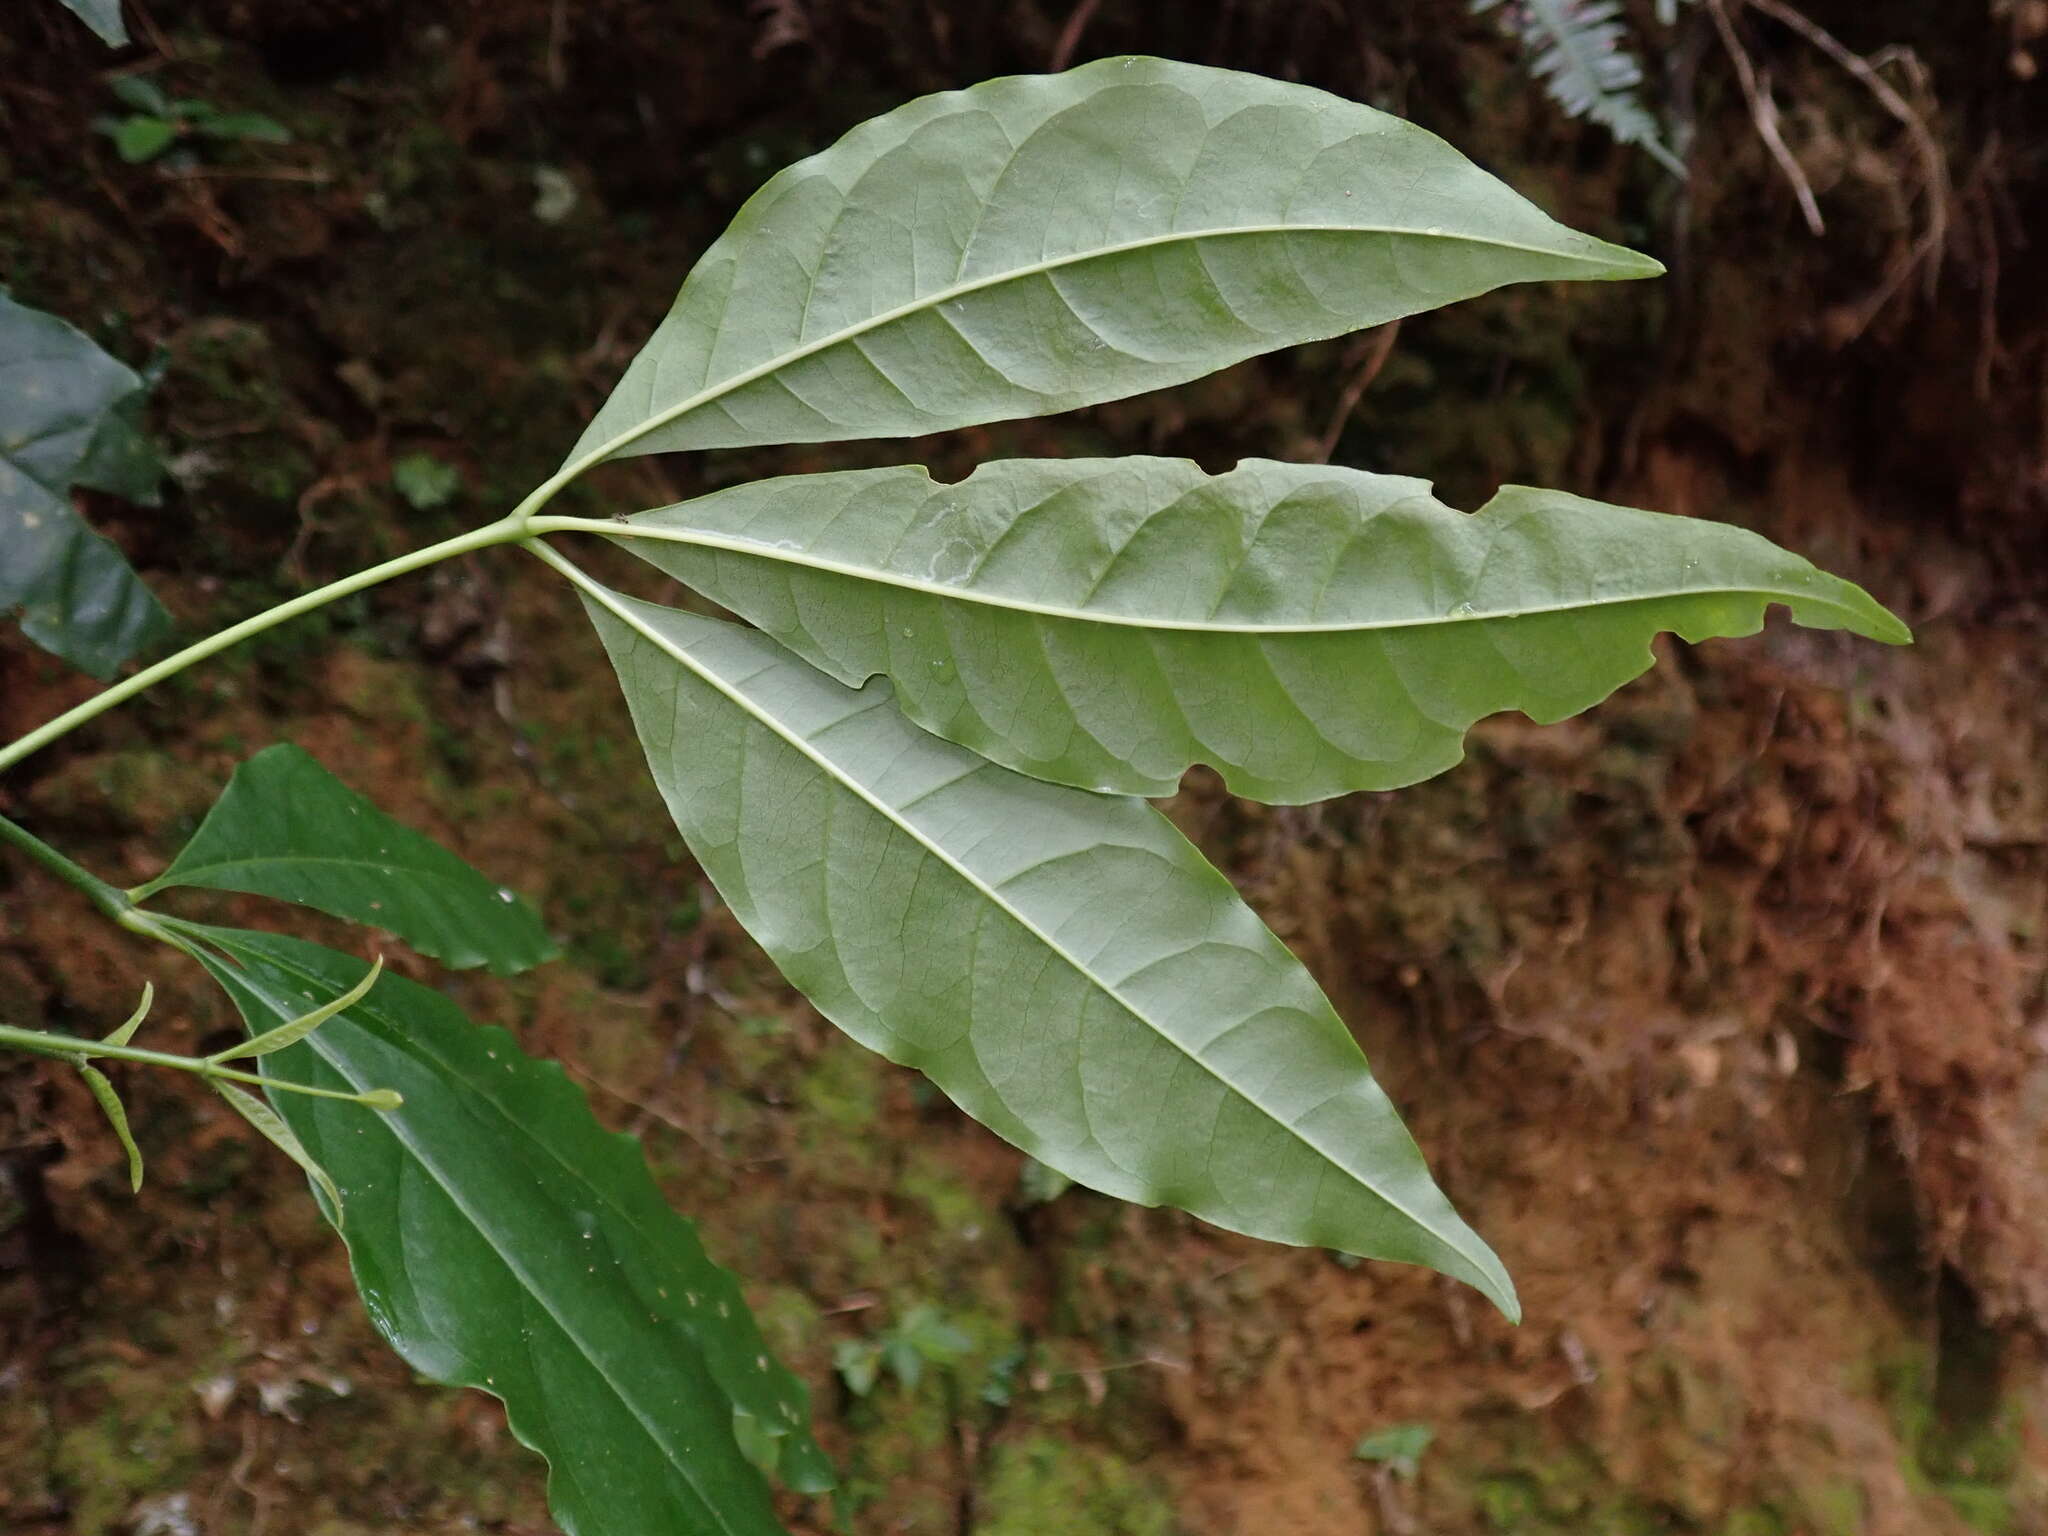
pixel 506 530
pixel 68 1047
pixel 503 531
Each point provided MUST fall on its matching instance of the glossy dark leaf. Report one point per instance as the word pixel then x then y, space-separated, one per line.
pixel 503 1240
pixel 121 461
pixel 66 418
pixel 286 827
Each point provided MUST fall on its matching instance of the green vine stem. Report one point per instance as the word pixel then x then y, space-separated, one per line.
pixel 508 529
pixel 213 1070
pixel 116 904
pixel 110 899
pixel 78 1052
pixel 503 531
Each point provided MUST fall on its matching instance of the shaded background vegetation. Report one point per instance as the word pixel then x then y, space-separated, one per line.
pixel 1721 1010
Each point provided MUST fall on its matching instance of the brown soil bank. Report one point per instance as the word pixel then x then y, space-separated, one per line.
pixel 1720 1010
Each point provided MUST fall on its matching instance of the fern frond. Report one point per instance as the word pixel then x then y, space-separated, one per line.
pixel 1579 51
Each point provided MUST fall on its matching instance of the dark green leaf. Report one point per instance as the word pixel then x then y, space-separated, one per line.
pixel 137 139
pixel 142 93
pixel 248 127
pixel 120 460
pixel 1305 630
pixel 286 827
pixel 1063 965
pixel 58 393
pixel 503 1240
pixel 1048 241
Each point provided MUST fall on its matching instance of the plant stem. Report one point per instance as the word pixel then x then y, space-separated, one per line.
pixel 503 531
pixel 70 1048
pixel 110 899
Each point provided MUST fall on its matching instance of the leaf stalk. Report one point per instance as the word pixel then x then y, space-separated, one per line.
pixel 504 531
pixel 80 1052
pixel 110 899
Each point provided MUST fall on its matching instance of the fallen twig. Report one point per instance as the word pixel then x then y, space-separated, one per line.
pixel 1763 111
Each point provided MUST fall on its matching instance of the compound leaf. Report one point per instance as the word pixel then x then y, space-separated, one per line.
pixel 503 1240
pixel 1042 242
pixel 285 827
pixel 1306 630
pixel 1065 966
pixel 67 418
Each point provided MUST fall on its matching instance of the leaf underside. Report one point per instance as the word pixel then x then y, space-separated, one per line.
pixel 1063 965
pixel 503 1240
pixel 104 17
pixel 1305 630
pixel 67 417
pixel 1042 242
pixel 287 828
